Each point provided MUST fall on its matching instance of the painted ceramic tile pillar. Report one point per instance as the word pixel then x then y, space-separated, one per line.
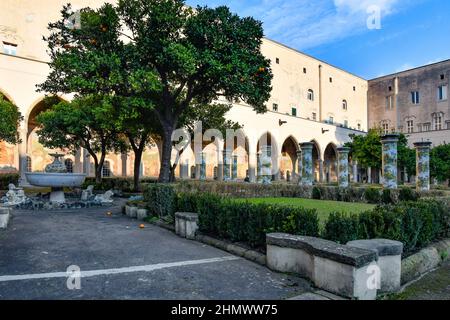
pixel 423 165
pixel 202 166
pixel 343 170
pixel 226 165
pixel 389 157
pixel 258 168
pixel 307 164
pixel 266 165
pixel 234 169
pixel 299 166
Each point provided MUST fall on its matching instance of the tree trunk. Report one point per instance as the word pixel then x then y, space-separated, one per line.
pixel 137 168
pixel 99 167
pixel 165 172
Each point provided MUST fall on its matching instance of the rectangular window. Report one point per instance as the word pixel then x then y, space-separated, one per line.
pixel 345 123
pixel 275 107
pixel 410 126
pixel 277 60
pixel 314 116
pixel 426 127
pixel 385 128
pixel 448 125
pixel 304 70
pixel 442 93
pixel 331 80
pixel 389 103
pixel 415 98
pixel 359 126
pixel 331 120
pixel 438 122
pixel 294 112
pixel 10 48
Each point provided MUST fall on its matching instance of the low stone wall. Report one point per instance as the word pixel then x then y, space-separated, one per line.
pixel 186 224
pixel 356 270
pixel 424 261
pixel 5 214
pixel 136 212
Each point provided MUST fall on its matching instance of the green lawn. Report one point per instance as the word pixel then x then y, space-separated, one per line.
pixel 323 207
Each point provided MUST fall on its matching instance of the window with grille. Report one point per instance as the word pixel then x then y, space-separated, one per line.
pixel 106 171
pixel 69 165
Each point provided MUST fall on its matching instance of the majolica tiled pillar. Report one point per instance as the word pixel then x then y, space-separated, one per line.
pixel 423 165
pixel 389 157
pixel 343 167
pixel 355 171
pixel 299 166
pixel 258 168
pixel 234 169
pixel 266 165
pixel 307 164
pixel 226 165
pixel 202 166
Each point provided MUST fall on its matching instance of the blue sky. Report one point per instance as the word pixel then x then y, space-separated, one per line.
pixel 413 32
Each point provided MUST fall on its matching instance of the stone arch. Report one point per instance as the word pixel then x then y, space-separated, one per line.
pixel 37 152
pixel 240 150
pixel 269 140
pixel 7 151
pixel 330 162
pixel 7 96
pixel 288 163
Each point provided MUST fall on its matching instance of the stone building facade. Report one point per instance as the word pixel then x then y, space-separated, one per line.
pixel 312 101
pixel 415 102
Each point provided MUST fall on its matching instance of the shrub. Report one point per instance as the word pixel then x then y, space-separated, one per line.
pixel 372 195
pixel 341 227
pixel 415 224
pixel 161 199
pixel 242 221
pixel 8 178
pixel 115 183
pixel 407 194
pixel 316 193
pixel 388 196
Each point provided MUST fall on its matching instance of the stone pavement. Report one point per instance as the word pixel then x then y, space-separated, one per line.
pixel 118 260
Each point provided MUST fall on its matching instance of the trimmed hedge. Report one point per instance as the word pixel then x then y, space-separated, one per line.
pixel 416 224
pixel 118 183
pixel 7 178
pixel 245 221
pixel 161 199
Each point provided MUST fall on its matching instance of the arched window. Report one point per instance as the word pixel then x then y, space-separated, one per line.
pixel 29 164
pixel 310 95
pixel 344 105
pixel 69 165
pixel 106 171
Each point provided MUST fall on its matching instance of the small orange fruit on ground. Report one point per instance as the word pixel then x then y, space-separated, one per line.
pixel 142 226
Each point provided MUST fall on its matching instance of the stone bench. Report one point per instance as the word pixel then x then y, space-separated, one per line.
pixel 5 214
pixel 340 269
pixel 389 260
pixel 186 224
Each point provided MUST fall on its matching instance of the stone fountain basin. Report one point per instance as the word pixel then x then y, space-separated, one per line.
pixel 56 180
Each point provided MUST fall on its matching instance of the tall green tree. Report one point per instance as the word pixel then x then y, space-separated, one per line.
pixel 440 163
pixel 190 58
pixel 10 120
pixel 170 57
pixel 86 122
pixel 367 149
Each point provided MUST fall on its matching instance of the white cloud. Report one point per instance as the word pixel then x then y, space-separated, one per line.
pixel 304 24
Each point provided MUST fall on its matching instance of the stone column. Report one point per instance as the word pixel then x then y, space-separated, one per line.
pixel 369 175
pixel 124 158
pixel 355 171
pixel 342 167
pixel 266 165
pixel 299 166
pixel 423 165
pixel 307 164
pixel 78 166
pixel 252 165
pixel 226 164
pixel 184 169
pixel 234 170
pixel 87 162
pixel 320 170
pixel 389 158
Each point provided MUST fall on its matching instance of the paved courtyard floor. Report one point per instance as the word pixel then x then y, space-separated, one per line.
pixel 118 260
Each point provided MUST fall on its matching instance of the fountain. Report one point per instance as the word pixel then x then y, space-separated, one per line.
pixel 56 177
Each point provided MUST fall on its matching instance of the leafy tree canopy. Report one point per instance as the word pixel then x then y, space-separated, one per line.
pixel 10 120
pixel 440 162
